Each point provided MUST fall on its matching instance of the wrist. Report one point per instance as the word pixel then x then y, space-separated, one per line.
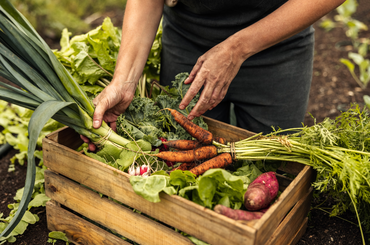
pixel 242 45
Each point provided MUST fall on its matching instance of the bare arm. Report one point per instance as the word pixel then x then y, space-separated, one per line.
pixel 140 23
pixel 217 68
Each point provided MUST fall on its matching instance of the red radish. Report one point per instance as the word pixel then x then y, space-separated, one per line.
pixel 237 214
pixel 143 169
pixel 261 191
pixel 163 147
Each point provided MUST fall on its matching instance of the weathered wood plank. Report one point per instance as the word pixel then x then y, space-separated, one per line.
pixel 66 136
pixel 292 222
pixel 118 218
pixel 78 230
pixel 300 232
pixel 227 131
pixel 292 194
pixel 172 210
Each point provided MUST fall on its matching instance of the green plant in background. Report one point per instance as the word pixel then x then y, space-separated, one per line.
pixel 50 17
pixel 14 121
pixel 352 28
pixel 91 57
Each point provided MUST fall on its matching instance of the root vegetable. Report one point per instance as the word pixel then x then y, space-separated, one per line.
pixel 270 181
pixel 237 214
pixel 185 166
pixel 182 144
pixel 202 135
pixel 261 192
pixel 220 140
pixel 201 153
pixel 219 161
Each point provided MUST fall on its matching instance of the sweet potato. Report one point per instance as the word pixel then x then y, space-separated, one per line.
pixel 270 181
pixel 261 192
pixel 237 214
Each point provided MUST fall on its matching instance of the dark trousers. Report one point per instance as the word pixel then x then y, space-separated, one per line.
pixel 270 89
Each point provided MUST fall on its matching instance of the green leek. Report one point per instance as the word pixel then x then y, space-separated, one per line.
pixel 45 87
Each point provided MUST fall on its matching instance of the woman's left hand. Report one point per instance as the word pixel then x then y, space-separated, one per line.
pixel 214 70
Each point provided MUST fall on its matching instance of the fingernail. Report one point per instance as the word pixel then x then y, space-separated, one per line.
pixel 182 107
pixel 96 124
pixel 190 118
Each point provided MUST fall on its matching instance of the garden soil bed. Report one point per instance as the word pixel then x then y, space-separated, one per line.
pixel 333 90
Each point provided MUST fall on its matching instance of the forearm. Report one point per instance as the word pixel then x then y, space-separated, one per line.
pixel 288 20
pixel 141 21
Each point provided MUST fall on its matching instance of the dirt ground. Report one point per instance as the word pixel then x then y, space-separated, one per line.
pixel 333 89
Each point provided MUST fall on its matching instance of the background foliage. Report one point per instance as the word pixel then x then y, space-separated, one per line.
pixel 50 17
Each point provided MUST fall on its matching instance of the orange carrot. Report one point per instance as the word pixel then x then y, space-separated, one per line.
pixel 182 144
pixel 194 130
pixel 185 166
pixel 220 140
pixel 201 153
pixel 219 161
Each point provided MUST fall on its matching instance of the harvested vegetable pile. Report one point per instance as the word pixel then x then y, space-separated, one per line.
pixel 338 149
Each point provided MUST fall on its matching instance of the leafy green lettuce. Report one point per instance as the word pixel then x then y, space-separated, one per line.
pixel 91 57
pixel 215 186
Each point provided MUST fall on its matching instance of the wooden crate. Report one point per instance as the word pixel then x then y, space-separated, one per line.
pixel 71 174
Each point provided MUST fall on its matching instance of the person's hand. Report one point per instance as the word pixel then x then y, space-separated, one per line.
pixel 214 70
pixel 109 104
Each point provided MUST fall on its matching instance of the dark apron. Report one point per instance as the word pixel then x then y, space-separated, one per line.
pixel 270 89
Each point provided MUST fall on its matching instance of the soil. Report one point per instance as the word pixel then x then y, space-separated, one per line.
pixel 333 90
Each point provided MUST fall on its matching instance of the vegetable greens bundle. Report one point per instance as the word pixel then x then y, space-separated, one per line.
pixel 146 119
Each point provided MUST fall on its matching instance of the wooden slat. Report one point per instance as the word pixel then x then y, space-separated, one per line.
pixel 294 192
pixel 78 230
pixel 300 233
pixel 292 222
pixel 116 217
pixel 66 136
pixel 292 167
pixel 175 211
pixel 227 131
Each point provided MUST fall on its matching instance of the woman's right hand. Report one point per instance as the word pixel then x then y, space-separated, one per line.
pixel 109 104
pixel 138 33
pixel 112 102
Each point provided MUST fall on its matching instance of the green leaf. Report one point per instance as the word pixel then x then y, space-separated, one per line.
pixel 149 187
pixel 349 64
pixel 20 228
pixel 39 200
pixel 59 236
pixel 207 190
pixel 41 115
pixel 225 201
pixel 29 218
pixel 357 58
pixel 367 100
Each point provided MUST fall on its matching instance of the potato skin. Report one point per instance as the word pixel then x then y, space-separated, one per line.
pixel 261 192
pixel 257 197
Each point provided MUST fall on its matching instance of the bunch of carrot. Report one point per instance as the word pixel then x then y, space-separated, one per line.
pixel 189 152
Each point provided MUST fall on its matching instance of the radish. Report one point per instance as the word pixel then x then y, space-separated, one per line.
pixel 143 169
